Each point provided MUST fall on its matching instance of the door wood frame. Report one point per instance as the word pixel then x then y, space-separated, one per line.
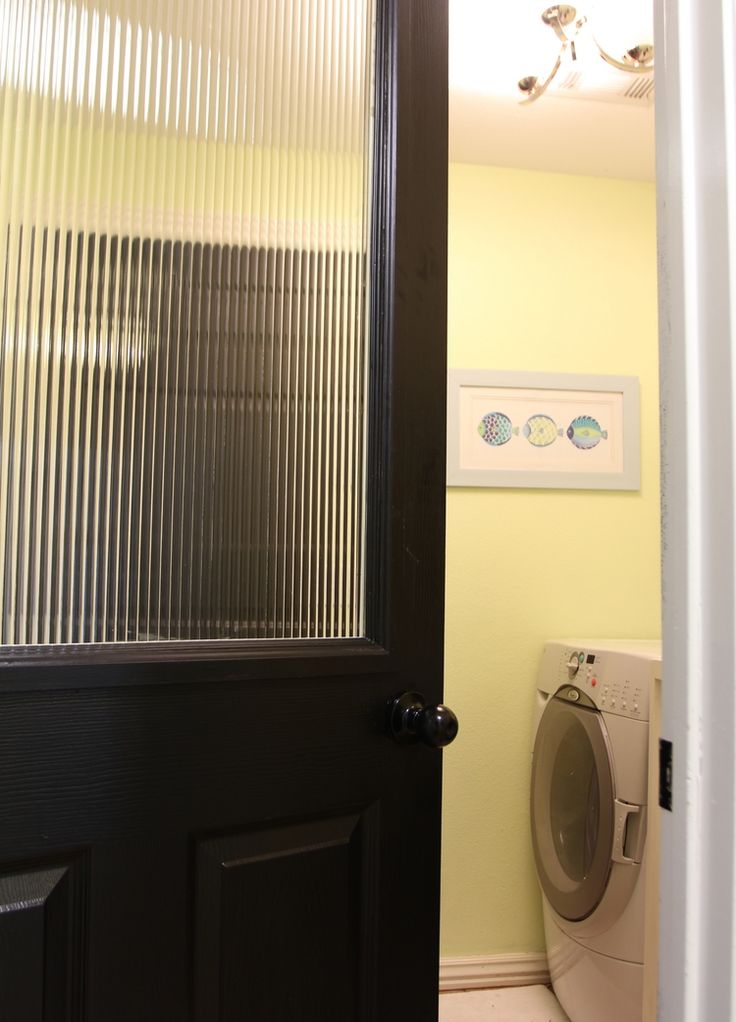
pixel 140 781
pixel 696 212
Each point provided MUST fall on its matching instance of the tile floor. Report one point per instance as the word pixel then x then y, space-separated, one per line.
pixel 512 1004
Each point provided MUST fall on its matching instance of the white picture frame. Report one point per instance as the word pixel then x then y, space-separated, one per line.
pixel 547 430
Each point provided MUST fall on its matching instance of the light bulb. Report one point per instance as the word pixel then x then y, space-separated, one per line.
pixel 524 46
pixel 624 29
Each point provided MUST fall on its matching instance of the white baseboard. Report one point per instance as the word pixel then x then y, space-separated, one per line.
pixel 493 971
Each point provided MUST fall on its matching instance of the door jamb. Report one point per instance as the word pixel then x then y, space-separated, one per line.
pixel 696 197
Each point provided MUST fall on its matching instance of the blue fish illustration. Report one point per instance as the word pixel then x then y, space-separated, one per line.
pixel 585 432
pixel 541 431
pixel 496 429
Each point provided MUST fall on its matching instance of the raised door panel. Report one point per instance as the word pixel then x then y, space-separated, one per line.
pixel 278 909
pixel 42 943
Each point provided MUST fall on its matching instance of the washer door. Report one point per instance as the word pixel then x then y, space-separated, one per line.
pixel 572 807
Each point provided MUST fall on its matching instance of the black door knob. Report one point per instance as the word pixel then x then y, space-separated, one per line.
pixel 411 720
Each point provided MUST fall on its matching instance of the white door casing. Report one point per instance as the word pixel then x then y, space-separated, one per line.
pixel 696 186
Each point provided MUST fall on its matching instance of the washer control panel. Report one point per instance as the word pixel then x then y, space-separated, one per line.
pixel 615 680
pixel 573 664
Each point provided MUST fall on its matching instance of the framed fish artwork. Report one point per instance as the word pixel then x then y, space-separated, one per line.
pixel 549 430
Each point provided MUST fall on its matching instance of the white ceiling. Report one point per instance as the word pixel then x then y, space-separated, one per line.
pixel 494 43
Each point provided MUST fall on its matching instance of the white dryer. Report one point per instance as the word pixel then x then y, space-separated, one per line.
pixel 589 821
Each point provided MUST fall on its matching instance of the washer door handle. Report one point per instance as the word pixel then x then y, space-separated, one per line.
pixel 629 828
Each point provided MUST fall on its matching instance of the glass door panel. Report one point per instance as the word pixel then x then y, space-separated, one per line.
pixel 184 215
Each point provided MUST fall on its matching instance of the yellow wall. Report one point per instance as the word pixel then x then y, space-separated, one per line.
pixel 551 273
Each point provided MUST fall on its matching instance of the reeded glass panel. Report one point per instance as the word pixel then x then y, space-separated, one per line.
pixel 184 213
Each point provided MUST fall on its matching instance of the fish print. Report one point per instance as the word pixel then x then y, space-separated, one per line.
pixel 496 428
pixel 541 431
pixel 585 432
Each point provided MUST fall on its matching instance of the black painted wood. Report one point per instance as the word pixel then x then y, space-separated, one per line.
pixel 43 943
pixel 278 893
pixel 142 772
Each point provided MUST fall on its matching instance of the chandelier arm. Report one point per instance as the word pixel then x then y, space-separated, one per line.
pixel 556 25
pixel 540 88
pixel 632 68
pixel 558 17
pixel 639 60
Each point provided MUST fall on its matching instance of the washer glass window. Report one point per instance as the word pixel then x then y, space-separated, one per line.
pixel 572 808
pixel 575 802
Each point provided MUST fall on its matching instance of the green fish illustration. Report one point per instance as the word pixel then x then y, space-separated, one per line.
pixel 585 432
pixel 541 431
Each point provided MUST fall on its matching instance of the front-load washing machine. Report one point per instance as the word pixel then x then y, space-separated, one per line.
pixel 589 796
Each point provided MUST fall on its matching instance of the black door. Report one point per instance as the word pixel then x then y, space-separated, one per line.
pixel 210 822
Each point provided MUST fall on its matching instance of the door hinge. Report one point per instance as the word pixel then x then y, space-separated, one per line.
pixel 665 774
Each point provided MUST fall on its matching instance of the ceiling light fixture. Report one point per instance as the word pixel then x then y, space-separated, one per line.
pixel 567 26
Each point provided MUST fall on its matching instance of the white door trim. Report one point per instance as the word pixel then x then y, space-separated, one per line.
pixel 696 188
